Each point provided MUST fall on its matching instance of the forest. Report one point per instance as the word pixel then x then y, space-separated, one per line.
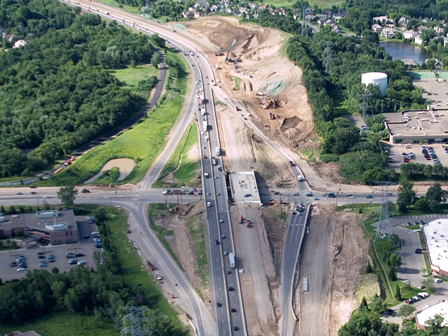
pixel 56 94
pixel 102 293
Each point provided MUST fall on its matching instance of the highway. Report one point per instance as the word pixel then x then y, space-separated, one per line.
pixel 225 281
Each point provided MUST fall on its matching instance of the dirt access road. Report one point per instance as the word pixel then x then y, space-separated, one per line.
pixel 333 273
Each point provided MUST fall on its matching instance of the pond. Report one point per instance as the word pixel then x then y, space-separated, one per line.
pixel 399 50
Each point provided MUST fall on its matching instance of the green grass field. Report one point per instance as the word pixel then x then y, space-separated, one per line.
pixel 113 3
pixel 237 83
pixel 320 3
pixel 131 76
pixel 142 142
pixel 185 169
pixel 199 246
pixel 309 153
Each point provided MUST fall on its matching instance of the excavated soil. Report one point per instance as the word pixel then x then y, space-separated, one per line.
pixel 182 245
pixel 262 69
pixel 334 254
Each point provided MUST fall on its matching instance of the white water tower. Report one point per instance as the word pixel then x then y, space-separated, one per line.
pixel 375 78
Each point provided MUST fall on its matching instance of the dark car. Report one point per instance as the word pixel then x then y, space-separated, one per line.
pixel 232 310
pixel 417 223
pixel 231 288
pixel 50 256
pixel 72 261
pixel 41 257
pixel 12 264
pixel 40 253
pixel 422 222
pixel 216 242
pixel 235 328
pixel 218 304
pixel 86 237
pixel 331 195
pixel 79 255
pixel 418 251
pixel 33 193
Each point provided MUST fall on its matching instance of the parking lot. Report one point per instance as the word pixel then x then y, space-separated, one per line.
pixel 435 92
pixel 396 159
pixel 84 246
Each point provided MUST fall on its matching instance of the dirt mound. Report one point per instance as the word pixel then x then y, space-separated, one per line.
pixel 253 54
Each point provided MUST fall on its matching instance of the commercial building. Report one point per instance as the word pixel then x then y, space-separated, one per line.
pixel 56 227
pixel 243 186
pixel 417 126
pixel 436 240
pixel 426 314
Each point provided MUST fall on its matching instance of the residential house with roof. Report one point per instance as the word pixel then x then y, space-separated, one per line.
pixel 409 34
pixel 421 28
pixel 335 28
pixel 439 30
pixel 188 13
pixel 402 22
pixel 253 5
pixel 388 33
pixel 377 28
pixel 329 22
pixel 418 39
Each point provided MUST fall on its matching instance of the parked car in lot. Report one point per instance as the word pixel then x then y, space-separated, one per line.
pixel 50 256
pixel 72 261
pixel 437 280
pixel 81 262
pixel 21 269
pixel 418 251
pixel 69 255
pixel 12 264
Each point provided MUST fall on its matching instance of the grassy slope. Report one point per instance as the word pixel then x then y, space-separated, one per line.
pixel 185 168
pixel 131 76
pixel 113 3
pixel 199 246
pixel 142 142
pixel 320 3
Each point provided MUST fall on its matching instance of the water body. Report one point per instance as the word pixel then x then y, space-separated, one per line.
pixel 401 51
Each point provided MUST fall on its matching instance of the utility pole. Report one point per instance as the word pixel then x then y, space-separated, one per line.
pixel 327 59
pixel 365 104
pixel 384 228
pixel 304 28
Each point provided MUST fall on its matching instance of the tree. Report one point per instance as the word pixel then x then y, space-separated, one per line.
pixel 45 205
pixel 21 209
pixel 434 193
pixel 96 257
pixel 428 283
pixel 406 196
pixel 394 261
pixel 392 274
pixel 406 310
pixel 100 215
pixel 397 293
pixel 369 267
pixel 433 205
pixel 421 204
pixel 363 305
pixel 67 195
pixel 12 210
pixel 2 209
pixel 155 60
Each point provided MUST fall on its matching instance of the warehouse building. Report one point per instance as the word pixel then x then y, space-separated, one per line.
pixel 417 126
pixel 436 240
pixel 428 313
pixel 56 227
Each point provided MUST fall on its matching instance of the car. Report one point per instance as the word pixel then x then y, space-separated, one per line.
pixel 19 193
pixel 216 176
pixel 369 196
pixel 51 260
pixel 79 255
pixel 33 187
pixel 226 253
pixel 437 280
pixel 230 289
pixel 41 257
pixel 218 194
pixel 159 278
pixel 94 233
pixel 209 194
pixel 309 193
pixel 389 312
pixel 81 262
pixel 218 304
pixel 191 192
pixel 351 197
pixel 422 222
pixel 69 255
pixel 40 253
pixel 316 199
pixel 72 261
pixel 50 256
pixel 204 156
pixel 229 272
pixel 247 195
pixel 19 258
pixel 209 204
pixel 296 194
pixel 43 263
pixel 404 154
pixel 33 193
pixel 12 264
pixel 232 310
pixel 223 237
pixel 21 269
pixel 221 221
pixel 409 301
pixel 417 223
pixel 406 160
pixel 216 242
pixel 165 192
pixel 47 196
pixel 86 237
pixel 331 195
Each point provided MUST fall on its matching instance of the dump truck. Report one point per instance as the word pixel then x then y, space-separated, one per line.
pixel 232 260
pixel 241 219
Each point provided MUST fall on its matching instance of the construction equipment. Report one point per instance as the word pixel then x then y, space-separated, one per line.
pixel 271 103
pixel 241 219
pixel 219 54
pixel 271 116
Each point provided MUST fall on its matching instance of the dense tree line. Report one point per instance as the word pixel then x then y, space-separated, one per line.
pixel 80 291
pixel 55 94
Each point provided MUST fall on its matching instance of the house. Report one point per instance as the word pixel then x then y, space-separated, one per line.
pixel 255 16
pixel 243 10
pixel 321 17
pixel 402 22
pixel 381 19
pixel 253 5
pixel 409 34
pixel 8 37
pixel 388 33
pixel 445 41
pixel 19 43
pixel 215 8
pixel 427 19
pixel 418 39
pixel 329 22
pixel 198 15
pixel 310 17
pixel 335 28
pixel 328 13
pixel 377 28
pixel 442 22
pixel 420 28
pixel 437 63
pixel 337 17
pixel 439 30
pixel 188 14
pixel 409 62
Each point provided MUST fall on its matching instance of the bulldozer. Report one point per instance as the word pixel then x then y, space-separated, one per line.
pixel 269 103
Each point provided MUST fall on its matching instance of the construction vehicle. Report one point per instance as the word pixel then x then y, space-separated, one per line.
pixel 271 103
pixel 217 67
pixel 241 219
pixel 219 54
pixel 271 116
pixel 248 224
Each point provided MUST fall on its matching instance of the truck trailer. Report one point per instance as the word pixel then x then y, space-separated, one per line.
pixel 204 123
pixel 232 260
pixel 218 151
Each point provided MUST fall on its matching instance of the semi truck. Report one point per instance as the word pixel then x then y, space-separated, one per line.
pixel 214 162
pixel 204 123
pixel 305 284
pixel 218 151
pixel 232 260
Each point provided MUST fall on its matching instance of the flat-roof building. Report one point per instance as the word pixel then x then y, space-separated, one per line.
pixel 56 227
pixel 436 240
pixel 426 314
pixel 417 126
pixel 244 187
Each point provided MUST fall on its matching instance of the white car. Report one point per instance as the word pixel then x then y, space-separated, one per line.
pixel 21 269
pixel 209 204
pixel 81 262
pixel 47 196
pixel 159 277
pixel 351 197
pixel 94 233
